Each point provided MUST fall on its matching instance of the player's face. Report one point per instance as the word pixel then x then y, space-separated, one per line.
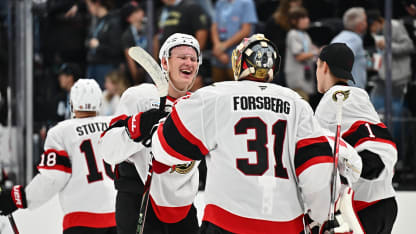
pixel 183 66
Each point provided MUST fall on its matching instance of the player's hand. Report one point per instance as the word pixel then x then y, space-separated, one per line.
pixel 140 126
pixel 12 199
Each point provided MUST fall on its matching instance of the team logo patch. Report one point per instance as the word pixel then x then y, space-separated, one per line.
pixel 341 93
pixel 183 168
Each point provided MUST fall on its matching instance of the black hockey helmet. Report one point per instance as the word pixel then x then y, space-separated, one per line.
pixel 255 58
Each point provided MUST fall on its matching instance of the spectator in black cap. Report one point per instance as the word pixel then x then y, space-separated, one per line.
pixel 134 35
pixel 68 74
pixel 374 200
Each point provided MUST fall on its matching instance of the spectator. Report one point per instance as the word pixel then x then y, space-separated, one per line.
pixel 300 54
pixel 115 84
pixel 276 30
pixel 401 48
pixel 68 74
pixel 134 35
pixel 234 20
pixel 355 24
pixel 182 16
pixel 104 48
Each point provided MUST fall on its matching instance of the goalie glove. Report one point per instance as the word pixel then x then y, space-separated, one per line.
pixel 346 220
pixel 349 163
pixel 12 199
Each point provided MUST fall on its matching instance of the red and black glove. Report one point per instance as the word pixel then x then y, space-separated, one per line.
pixel 12 199
pixel 140 126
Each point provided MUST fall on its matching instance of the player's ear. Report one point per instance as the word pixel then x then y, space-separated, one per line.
pixel 165 63
pixel 325 67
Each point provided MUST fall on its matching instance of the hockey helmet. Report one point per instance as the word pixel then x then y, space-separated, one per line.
pixel 255 58
pixel 85 96
pixel 179 39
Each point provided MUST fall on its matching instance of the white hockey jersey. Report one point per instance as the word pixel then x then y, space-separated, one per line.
pixel 70 167
pixel 261 144
pixel 116 146
pixel 361 127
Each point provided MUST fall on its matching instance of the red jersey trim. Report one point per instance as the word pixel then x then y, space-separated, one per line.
pixel 314 161
pixel 87 219
pixel 166 146
pixel 305 142
pixel 377 140
pixel 186 134
pixel 168 214
pixel 357 124
pixel 56 167
pixel 113 120
pixel 360 205
pixel 159 167
pixel 237 224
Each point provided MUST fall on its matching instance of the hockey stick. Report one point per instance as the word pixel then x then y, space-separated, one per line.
pixel 339 97
pixel 153 69
pixel 11 220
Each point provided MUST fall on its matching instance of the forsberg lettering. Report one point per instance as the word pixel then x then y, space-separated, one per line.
pixel 250 103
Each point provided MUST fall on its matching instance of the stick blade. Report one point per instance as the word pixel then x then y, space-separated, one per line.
pixel 143 58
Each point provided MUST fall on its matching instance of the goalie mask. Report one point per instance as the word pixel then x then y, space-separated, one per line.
pixel 175 40
pixel 85 96
pixel 255 58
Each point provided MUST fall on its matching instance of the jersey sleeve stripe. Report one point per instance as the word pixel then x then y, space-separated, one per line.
pixel 166 146
pixel 312 151
pixel 175 139
pixel 305 142
pixel 59 160
pixel 359 133
pixel 186 134
pixel 313 161
pixel 170 214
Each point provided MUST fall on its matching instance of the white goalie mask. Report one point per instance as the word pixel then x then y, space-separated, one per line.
pixel 85 96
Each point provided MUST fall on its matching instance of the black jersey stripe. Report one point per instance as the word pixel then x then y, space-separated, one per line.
pixel 55 160
pixel 312 151
pixel 178 143
pixel 362 131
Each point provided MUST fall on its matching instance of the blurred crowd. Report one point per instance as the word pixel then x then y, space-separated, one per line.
pixel 90 38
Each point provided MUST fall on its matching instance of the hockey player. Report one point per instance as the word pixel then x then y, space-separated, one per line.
pixel 180 58
pixel 264 149
pixel 361 127
pixel 69 167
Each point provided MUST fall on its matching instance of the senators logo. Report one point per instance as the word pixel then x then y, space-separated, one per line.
pixel 341 94
pixel 183 168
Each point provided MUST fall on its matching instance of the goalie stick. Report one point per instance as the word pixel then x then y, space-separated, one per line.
pixel 153 69
pixel 11 220
pixel 339 97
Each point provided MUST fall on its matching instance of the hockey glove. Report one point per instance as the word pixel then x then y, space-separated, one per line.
pixel 346 220
pixel 139 126
pixel 12 199
pixel 349 163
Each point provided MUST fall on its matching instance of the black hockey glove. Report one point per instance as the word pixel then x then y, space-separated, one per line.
pixel 12 199
pixel 139 126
